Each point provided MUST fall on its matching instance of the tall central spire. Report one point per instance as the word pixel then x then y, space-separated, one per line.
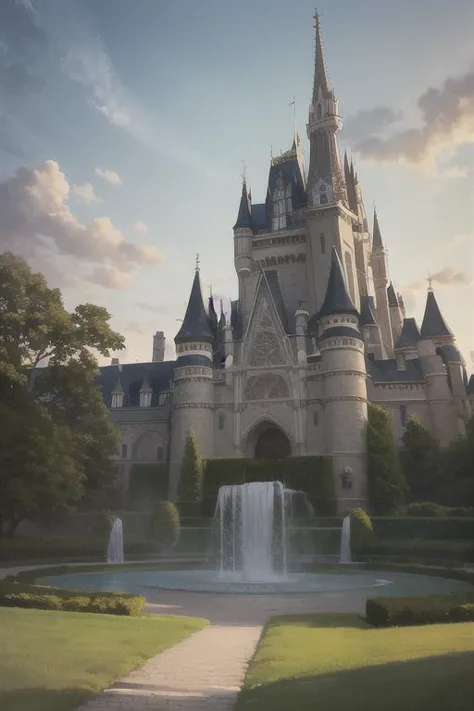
pixel 321 82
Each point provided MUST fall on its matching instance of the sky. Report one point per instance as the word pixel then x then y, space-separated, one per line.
pixel 124 127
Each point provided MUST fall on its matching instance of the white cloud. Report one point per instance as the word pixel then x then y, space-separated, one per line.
pixel 140 226
pixel 36 222
pixel 86 193
pixel 109 175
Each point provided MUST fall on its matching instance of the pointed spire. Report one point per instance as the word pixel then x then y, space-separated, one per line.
pixel 195 325
pixel 320 75
pixel 222 318
pixel 409 336
pixel 118 388
pixel 337 299
pixel 377 237
pixel 433 325
pixel 244 218
pixel 367 314
pixel 350 184
pixel 212 313
pixel 392 297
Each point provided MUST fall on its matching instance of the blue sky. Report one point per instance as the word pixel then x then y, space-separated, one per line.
pixel 130 122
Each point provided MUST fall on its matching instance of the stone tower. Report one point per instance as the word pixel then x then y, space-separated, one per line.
pixel 193 393
pixel 159 342
pixel 344 376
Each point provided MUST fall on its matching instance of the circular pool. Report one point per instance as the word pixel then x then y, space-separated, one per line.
pixel 150 582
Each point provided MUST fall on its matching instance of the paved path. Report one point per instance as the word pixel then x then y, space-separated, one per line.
pixel 202 673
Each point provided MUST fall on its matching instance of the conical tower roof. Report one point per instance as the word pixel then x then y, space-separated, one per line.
pixel 337 299
pixel 409 336
pixel 377 241
pixel 367 315
pixel 195 326
pixel 392 297
pixel 433 325
pixel 244 218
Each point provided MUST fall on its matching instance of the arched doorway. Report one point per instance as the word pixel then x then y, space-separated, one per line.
pixel 272 443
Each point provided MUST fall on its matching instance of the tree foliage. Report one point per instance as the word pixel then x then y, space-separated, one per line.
pixel 458 464
pixel 386 481
pixel 55 437
pixel 421 461
pixel 190 483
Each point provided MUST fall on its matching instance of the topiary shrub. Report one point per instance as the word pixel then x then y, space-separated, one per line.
pixel 426 508
pixel 362 532
pixel 165 524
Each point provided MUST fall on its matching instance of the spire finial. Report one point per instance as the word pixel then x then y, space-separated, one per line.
pixel 430 281
pixel 321 82
pixel 197 261
pixel 244 172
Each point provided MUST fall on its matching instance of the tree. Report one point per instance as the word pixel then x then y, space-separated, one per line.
pixel 386 481
pixel 458 465
pixel 55 437
pixel 421 461
pixel 190 483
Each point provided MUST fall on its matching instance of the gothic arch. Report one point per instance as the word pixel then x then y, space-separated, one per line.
pixel 149 447
pixel 257 428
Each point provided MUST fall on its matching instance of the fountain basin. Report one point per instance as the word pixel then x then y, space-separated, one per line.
pixel 150 583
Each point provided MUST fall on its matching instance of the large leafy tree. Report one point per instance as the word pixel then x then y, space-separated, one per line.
pixel 190 483
pixel 55 440
pixel 421 460
pixel 458 465
pixel 386 481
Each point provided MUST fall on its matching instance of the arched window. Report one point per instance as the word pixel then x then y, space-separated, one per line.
pixel 289 201
pixel 322 240
pixel 279 206
pixel 221 420
pixel 319 111
pixel 349 274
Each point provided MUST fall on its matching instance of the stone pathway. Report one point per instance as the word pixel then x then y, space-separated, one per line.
pixel 202 673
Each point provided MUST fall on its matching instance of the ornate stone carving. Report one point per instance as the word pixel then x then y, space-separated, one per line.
pixel 266 347
pixel 269 386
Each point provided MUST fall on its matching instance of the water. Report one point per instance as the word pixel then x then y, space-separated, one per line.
pixel 346 557
pixel 115 545
pixel 252 531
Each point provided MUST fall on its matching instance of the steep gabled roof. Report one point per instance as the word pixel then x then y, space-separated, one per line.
pixel 433 325
pixel 244 218
pixel 337 299
pixel 377 237
pixel 392 297
pixel 159 376
pixel 196 322
pixel 409 336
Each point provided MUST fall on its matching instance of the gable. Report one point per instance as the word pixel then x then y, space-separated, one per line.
pixel 266 338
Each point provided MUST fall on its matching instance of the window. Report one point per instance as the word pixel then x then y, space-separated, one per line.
pixel 117 400
pixel 322 239
pixel 124 452
pixel 145 398
pixel 315 418
pixel 159 453
pixel 403 415
pixel 319 111
pixel 221 421
pixel 323 199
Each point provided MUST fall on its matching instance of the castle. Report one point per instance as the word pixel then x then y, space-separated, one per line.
pixel 317 332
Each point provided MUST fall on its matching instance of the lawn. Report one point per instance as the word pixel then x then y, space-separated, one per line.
pixel 338 662
pixel 53 661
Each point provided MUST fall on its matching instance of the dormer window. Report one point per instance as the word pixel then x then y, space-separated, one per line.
pixel 145 398
pixel 117 400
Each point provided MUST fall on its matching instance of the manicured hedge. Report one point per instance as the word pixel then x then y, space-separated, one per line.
pixel 28 549
pixel 462 551
pixel 50 598
pixel 313 475
pixel 428 508
pixel 429 528
pixel 148 483
pixel 407 611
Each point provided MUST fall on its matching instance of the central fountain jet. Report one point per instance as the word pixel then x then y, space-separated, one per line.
pixel 251 519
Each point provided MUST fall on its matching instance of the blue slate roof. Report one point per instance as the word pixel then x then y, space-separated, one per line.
pixel 392 297
pixel 344 331
pixel 470 386
pixel 259 216
pixel 367 314
pixel 244 218
pixel 385 371
pixel 451 354
pixel 132 376
pixel 195 326
pixel 433 324
pixel 337 299
pixel 409 336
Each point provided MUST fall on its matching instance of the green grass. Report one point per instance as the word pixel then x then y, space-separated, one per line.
pixel 53 661
pixel 337 662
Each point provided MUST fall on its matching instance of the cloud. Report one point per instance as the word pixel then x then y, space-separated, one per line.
pixel 370 121
pixel 447 121
pixel 36 222
pixel 163 309
pixel 448 276
pixel 139 226
pixel 86 193
pixel 109 175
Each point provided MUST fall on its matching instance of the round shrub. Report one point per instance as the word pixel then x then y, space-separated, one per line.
pixel 362 531
pixel 165 524
pixel 426 508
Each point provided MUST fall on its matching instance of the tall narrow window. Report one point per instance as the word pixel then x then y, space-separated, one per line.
pixel 124 452
pixel 319 111
pixel 279 206
pixel 159 453
pixel 221 421
pixel 403 415
pixel 322 240
pixel 349 274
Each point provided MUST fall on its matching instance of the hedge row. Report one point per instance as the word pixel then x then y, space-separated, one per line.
pixel 25 549
pixel 429 528
pixel 428 550
pixel 49 598
pixel 407 611
pixel 313 475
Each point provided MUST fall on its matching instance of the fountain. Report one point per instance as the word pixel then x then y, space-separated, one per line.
pixel 115 545
pixel 346 557
pixel 252 532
